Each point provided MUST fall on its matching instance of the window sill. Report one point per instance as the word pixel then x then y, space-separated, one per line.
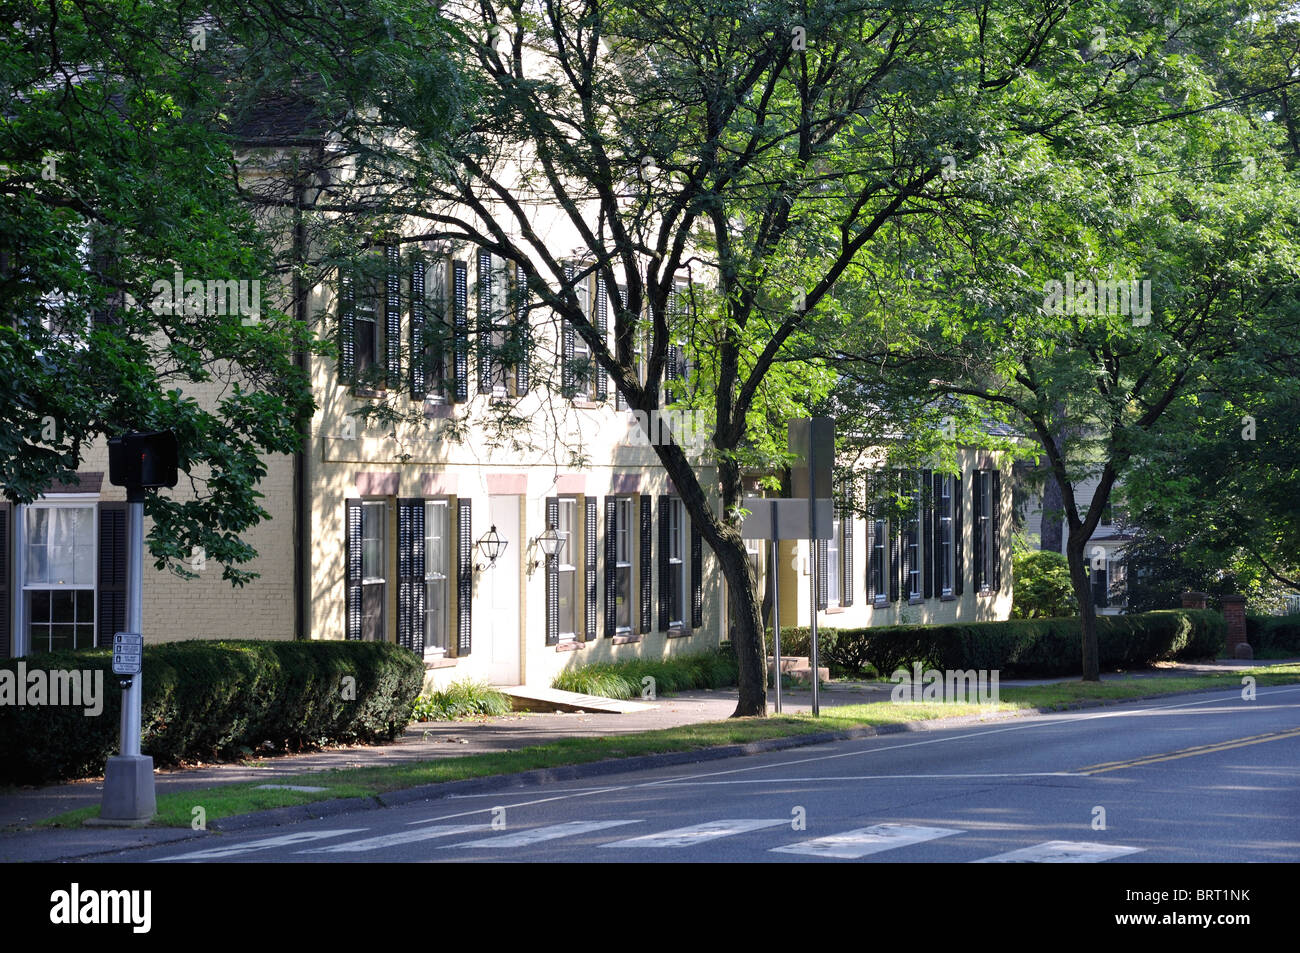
pixel 583 404
pixel 626 639
pixel 678 632
pixel 571 646
pixel 438 410
pixel 880 604
pixel 833 610
pixel 367 392
pixel 947 597
pixel 438 662
pixel 915 600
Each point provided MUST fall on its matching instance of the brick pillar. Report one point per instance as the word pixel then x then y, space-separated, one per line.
pixel 1194 600
pixel 1234 612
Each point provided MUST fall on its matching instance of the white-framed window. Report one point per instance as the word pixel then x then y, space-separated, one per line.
pixel 676 563
pixel 834 564
pixel 912 539
pixel 984 530
pixel 879 555
pixel 58 598
pixel 566 529
pixel 437 562
pixel 438 322
pixel 369 296
pixel 945 535
pixel 374 570
pixel 584 366
pixel 623 565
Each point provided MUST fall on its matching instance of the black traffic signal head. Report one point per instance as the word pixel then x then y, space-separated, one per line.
pixel 143 460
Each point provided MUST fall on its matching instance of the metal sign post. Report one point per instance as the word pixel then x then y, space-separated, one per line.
pixel 776 610
pixel 813 439
pixel 137 461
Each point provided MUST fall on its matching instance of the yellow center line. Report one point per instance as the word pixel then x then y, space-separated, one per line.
pixel 1190 752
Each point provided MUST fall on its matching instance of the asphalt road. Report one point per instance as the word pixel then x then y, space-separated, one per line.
pixel 1193 778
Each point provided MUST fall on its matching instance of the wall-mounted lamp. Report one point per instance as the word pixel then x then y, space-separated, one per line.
pixel 550 543
pixel 491 545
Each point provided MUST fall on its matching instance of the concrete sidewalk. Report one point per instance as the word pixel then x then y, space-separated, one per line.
pixel 22 807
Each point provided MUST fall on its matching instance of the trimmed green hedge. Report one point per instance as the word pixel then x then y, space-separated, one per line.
pixel 624 679
pixel 205 700
pixel 1279 633
pixel 1016 647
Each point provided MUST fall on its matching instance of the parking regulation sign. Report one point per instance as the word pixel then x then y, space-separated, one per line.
pixel 128 649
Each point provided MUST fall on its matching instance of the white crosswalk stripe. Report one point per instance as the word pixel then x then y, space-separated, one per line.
pixel 698 833
pixel 266 843
pixel 866 840
pixel 396 840
pixel 536 835
pixel 1060 852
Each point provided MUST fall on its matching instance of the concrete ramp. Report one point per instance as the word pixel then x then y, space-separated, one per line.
pixel 529 698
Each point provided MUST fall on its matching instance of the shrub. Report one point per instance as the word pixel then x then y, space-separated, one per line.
pixel 462 699
pixel 203 700
pixel 1274 634
pixel 627 679
pixel 1043 589
pixel 1023 647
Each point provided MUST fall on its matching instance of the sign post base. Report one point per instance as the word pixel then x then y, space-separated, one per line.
pixel 128 789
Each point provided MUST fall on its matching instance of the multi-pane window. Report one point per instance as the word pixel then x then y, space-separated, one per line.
pixel 912 539
pixel 59 577
pixel 878 556
pixel 676 563
pixel 584 367
pixel 834 582
pixel 945 535
pixel 437 337
pixel 437 556
pixel 368 300
pixel 495 295
pixel 566 566
pixel 623 564
pixel 984 549
pixel 374 574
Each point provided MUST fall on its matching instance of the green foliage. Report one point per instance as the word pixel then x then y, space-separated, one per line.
pixel 1277 635
pixel 1020 647
pixel 463 699
pixel 627 679
pixel 205 700
pixel 1042 589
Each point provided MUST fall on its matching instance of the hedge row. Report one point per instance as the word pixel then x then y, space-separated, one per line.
pixel 204 700
pixel 1016 647
pixel 626 679
pixel 1273 633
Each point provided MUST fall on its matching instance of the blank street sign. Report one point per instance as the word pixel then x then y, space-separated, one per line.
pixel 791 519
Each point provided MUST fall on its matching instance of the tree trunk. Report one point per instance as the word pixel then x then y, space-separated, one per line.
pixel 1081 580
pixel 1049 531
pixel 747 637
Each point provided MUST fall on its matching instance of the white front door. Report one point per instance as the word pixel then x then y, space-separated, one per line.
pixel 499 589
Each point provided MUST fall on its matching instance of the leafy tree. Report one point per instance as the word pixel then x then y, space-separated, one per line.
pixel 762 151
pixel 1043 589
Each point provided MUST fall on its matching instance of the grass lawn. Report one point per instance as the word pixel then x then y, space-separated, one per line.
pixel 177 809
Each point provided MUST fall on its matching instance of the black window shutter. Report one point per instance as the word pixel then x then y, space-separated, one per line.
pixel 1099 600
pixel 993 529
pixel 846 552
pixel 460 329
pixel 552 578
pixel 895 543
pixel 823 564
pixel 602 324
pixel 927 534
pixel 393 315
pixel 419 359
pixel 103 263
pixel 485 357
pixel 524 330
pixel 697 577
pixel 352 563
pixel 977 511
pixel 347 327
pixel 958 537
pixel 567 382
pixel 112 571
pixel 464 576
pixel 935 562
pixel 611 565
pixel 410 575
pixel 6 619
pixel 589 548
pixel 646 544
pixel 665 570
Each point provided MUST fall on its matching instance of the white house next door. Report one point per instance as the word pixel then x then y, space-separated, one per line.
pixel 499 592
